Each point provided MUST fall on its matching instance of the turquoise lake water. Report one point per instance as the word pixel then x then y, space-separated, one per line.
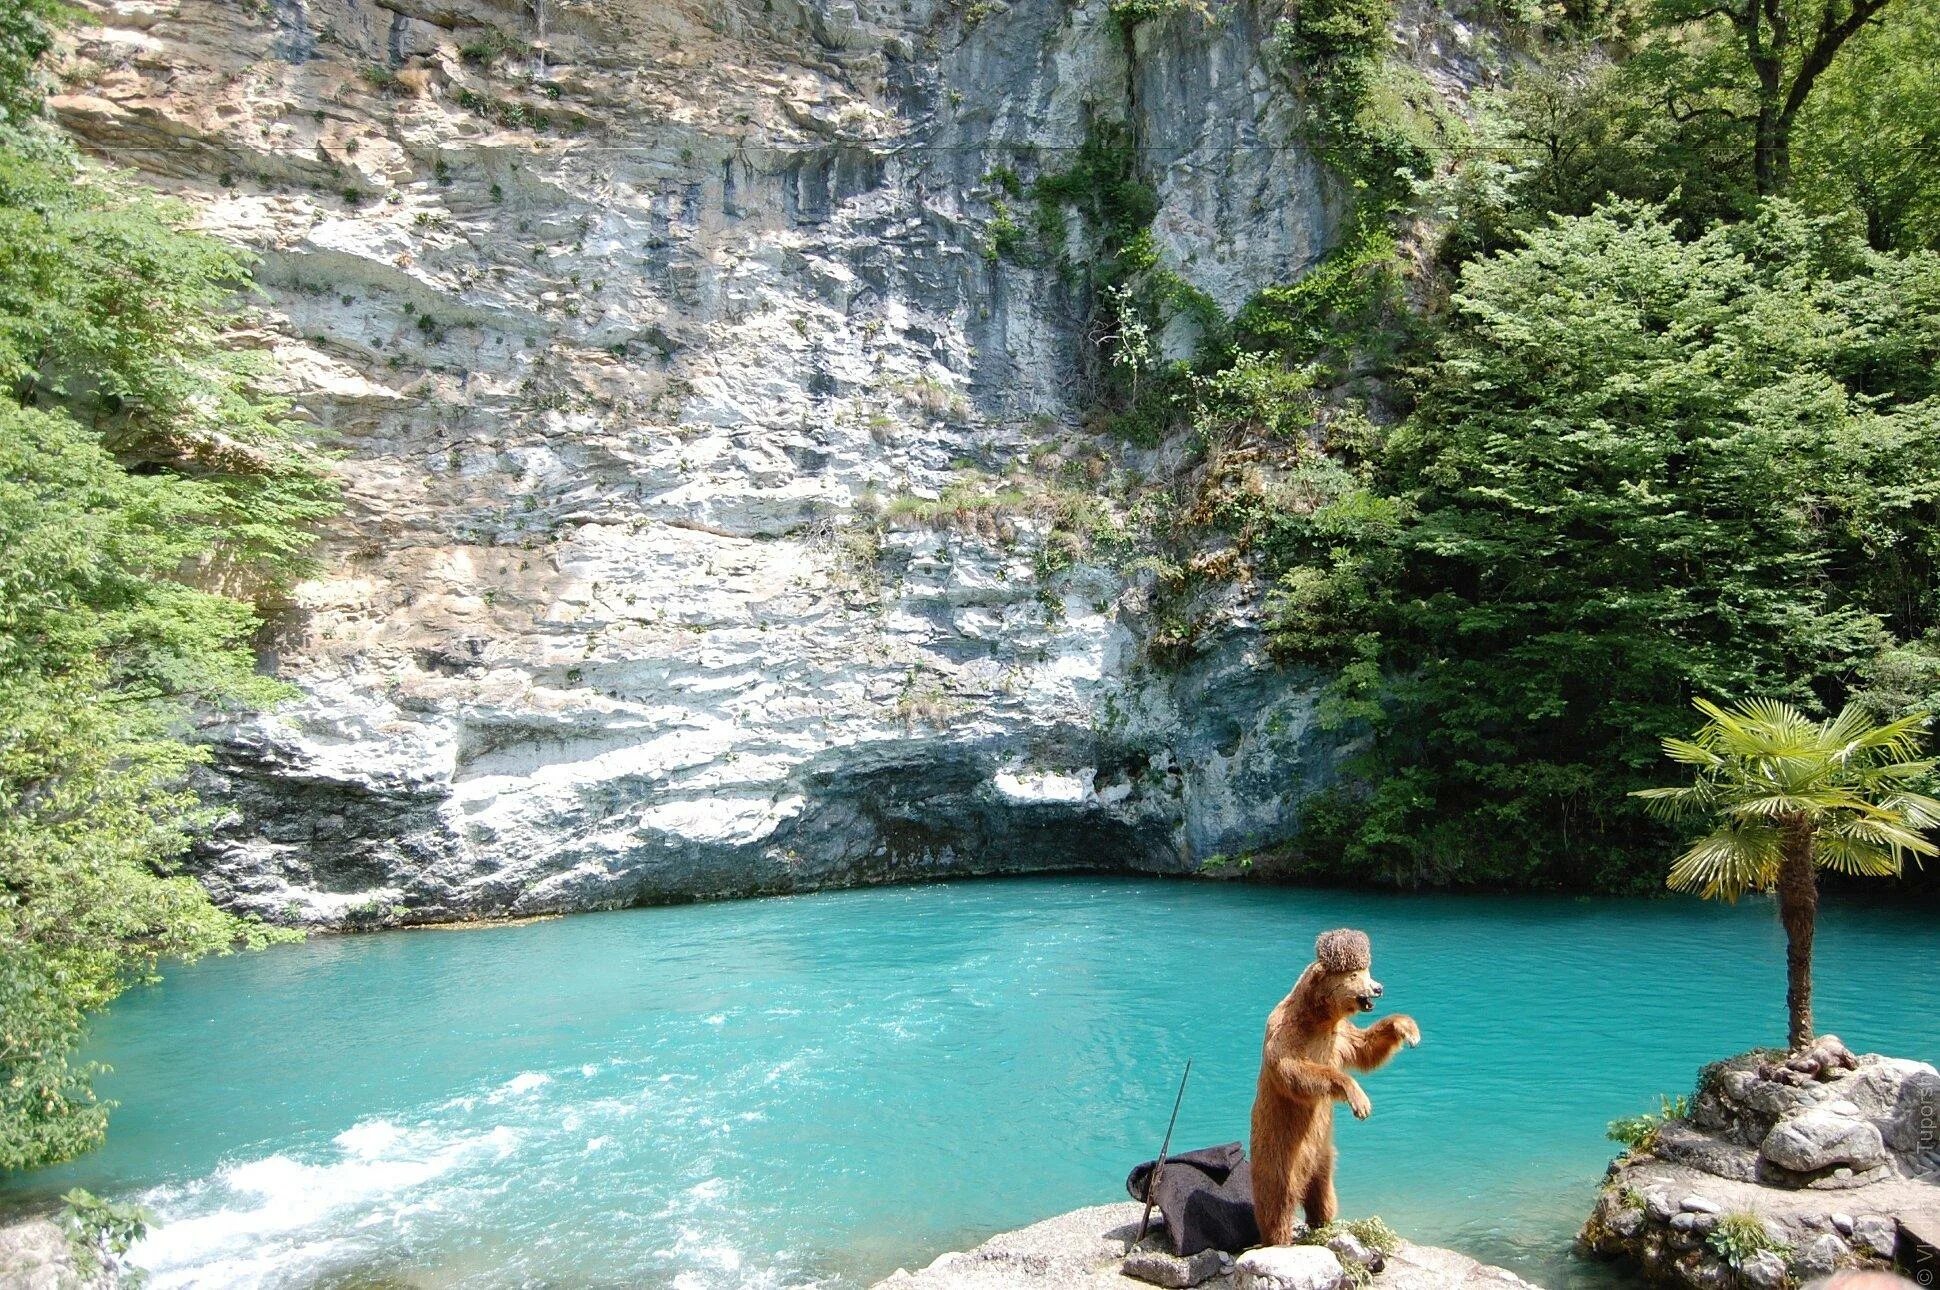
pixel 816 1090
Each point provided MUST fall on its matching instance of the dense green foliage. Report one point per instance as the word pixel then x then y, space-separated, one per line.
pixel 1619 393
pixel 1642 467
pixel 141 478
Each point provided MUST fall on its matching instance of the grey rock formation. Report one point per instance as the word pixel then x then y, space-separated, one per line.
pixel 1289 1267
pixel 35 1254
pixel 647 329
pixel 1162 1268
pixel 1084 1250
pixel 1823 1138
pixel 1812 1161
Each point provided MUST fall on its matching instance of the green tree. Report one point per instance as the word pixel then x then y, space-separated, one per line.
pixel 1870 139
pixel 1641 468
pixel 147 492
pixel 1787 796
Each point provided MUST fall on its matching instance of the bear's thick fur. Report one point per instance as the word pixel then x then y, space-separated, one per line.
pixel 1311 1043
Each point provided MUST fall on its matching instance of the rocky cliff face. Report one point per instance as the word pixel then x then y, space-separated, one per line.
pixel 645 329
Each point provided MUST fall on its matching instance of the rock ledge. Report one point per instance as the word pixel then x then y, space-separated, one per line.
pixel 1082 1250
pixel 1816 1162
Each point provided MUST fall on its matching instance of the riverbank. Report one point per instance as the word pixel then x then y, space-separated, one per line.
pixel 1082 1250
pixel 35 1254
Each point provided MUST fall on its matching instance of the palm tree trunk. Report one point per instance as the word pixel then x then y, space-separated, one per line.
pixel 1798 910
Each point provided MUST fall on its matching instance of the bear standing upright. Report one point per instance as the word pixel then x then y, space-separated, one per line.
pixel 1311 1043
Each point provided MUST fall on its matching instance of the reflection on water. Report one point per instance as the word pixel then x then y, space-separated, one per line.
pixel 816 1090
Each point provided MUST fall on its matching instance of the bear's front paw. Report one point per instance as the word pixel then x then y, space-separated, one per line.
pixel 1410 1033
pixel 1357 1102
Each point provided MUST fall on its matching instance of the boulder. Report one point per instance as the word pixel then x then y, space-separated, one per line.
pixel 1823 1256
pixel 1823 1139
pixel 35 1255
pixel 1354 1252
pixel 1289 1267
pixel 1876 1236
pixel 1764 1270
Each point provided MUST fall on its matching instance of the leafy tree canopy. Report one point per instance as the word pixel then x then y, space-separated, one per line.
pixel 144 487
pixel 1641 467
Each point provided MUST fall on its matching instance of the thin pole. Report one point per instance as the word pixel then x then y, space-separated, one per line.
pixel 1158 1166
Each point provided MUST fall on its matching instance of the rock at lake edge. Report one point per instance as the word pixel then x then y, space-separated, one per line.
pixel 1084 1250
pixel 1176 1272
pixel 1813 1154
pixel 1289 1267
pixel 35 1255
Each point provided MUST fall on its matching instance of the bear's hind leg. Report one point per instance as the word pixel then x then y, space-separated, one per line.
pixel 1275 1208
pixel 1318 1200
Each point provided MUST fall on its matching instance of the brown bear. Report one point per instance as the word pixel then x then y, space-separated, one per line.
pixel 1310 1045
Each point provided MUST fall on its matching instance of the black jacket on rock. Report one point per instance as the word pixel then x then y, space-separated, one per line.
pixel 1205 1198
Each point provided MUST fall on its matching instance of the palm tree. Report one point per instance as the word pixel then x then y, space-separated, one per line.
pixel 1787 796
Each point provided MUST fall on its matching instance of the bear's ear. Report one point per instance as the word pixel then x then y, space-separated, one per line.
pixel 1343 950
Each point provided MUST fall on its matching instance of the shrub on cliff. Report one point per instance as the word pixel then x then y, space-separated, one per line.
pixel 146 490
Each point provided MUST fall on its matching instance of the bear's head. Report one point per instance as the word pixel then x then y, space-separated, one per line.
pixel 1342 982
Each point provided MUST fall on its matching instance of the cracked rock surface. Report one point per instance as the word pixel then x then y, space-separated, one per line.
pixel 633 323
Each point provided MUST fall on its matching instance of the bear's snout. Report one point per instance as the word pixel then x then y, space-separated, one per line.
pixel 1373 992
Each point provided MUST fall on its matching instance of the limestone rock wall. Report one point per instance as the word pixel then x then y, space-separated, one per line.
pixel 627 317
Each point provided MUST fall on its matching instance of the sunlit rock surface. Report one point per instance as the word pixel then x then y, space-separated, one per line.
pixel 1086 1248
pixel 618 398
pixel 1833 1161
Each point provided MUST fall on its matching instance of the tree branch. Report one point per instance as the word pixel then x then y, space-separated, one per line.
pixel 1830 37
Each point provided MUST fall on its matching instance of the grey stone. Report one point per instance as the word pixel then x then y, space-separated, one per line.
pixel 1353 1252
pixel 1822 1256
pixel 1289 1267
pixel 598 628
pixel 1842 1224
pixel 1164 1269
pixel 35 1255
pixel 1660 1206
pixel 1821 1139
pixel 1876 1235
pixel 1700 1205
pixel 1764 1270
pixel 1684 1222
pixel 1085 1250
pixel 1688 1144
pixel 1626 1221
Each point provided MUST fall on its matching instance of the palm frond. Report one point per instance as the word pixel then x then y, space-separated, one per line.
pixel 1917 809
pixel 1773 805
pixel 1901 740
pixel 1848 856
pixel 1677 803
pixel 1690 753
pixel 1879 833
pixel 1728 862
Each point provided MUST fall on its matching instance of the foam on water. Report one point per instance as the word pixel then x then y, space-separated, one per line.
pixel 814 1091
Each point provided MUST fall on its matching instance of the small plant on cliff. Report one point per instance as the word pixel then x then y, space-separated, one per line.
pixel 1639 1132
pixel 1740 1237
pixel 100 1232
pixel 488 47
pixel 1372 1232
pixel 1788 796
